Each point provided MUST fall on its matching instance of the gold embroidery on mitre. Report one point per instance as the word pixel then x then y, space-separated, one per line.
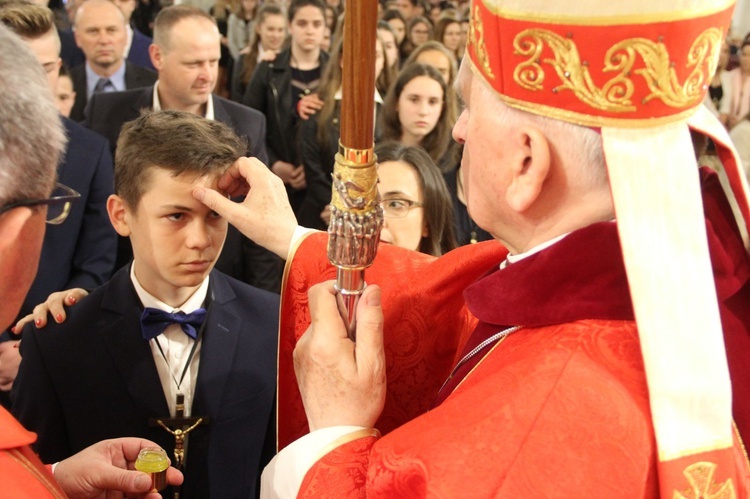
pixel 616 94
pixel 700 477
pixel 476 38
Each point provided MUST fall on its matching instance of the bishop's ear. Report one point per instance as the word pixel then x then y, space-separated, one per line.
pixel 530 165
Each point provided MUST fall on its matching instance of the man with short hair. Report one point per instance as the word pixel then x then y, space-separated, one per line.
pixel 136 46
pixel 601 349
pixel 81 252
pixel 100 32
pixel 186 52
pixel 31 143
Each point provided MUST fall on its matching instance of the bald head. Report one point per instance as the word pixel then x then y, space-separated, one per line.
pixel 100 33
pixel 182 15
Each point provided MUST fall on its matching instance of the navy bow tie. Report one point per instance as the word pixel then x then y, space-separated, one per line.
pixel 155 321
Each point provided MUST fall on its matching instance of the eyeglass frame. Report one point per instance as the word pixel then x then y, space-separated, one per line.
pixel 410 203
pixel 66 199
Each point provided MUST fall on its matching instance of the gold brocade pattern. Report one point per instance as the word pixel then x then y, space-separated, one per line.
pixel 476 37
pixel 700 477
pixel 616 95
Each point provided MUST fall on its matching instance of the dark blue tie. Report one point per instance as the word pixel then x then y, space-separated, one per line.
pixel 103 85
pixel 155 321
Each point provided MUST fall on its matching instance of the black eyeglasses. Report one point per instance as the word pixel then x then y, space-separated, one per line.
pixel 58 205
pixel 398 208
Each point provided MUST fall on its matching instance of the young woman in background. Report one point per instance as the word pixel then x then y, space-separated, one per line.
pixel 269 33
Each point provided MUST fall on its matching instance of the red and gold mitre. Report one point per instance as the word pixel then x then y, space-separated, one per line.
pixel 597 68
pixel 638 71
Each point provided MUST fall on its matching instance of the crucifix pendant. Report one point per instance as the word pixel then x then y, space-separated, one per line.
pixel 179 426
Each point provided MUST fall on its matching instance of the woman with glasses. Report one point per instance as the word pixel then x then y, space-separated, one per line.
pixel 417 209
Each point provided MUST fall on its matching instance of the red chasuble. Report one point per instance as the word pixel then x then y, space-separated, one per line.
pixel 557 408
pixel 21 472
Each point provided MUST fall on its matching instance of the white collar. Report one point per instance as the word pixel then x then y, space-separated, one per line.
pixel 536 249
pixel 209 104
pixel 193 303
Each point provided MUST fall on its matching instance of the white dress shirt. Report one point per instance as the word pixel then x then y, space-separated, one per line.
pixel 176 346
pixel 209 103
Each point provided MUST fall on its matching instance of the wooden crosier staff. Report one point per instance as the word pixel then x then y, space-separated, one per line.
pixel 356 216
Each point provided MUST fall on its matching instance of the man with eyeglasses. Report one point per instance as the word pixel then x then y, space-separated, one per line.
pixel 32 140
pixel 82 252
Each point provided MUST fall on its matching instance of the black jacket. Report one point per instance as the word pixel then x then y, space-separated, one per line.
pixel 270 92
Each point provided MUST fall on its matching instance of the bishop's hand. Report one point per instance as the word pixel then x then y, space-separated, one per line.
pixel 264 216
pixel 341 382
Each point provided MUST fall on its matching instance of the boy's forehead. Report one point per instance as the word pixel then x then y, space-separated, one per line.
pixel 160 177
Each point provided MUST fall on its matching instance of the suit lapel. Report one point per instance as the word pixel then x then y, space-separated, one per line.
pixel 220 113
pixel 131 354
pixel 78 76
pixel 145 100
pixel 218 349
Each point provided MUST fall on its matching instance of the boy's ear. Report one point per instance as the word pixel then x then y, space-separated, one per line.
pixel 530 168
pixel 117 210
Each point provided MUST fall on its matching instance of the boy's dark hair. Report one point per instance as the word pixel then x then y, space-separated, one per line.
pixel 176 141
pixel 295 5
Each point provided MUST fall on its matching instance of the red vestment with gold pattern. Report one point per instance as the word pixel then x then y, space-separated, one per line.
pixel 558 408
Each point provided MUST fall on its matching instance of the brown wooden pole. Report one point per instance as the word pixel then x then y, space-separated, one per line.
pixel 356 216
pixel 358 105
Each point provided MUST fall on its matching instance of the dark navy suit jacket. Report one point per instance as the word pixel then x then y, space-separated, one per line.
pixel 135 77
pixel 138 53
pixel 108 111
pixel 93 377
pixel 80 252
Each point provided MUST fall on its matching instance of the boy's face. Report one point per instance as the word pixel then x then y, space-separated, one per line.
pixel 176 239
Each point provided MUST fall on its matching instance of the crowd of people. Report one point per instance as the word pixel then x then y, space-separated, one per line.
pixel 162 104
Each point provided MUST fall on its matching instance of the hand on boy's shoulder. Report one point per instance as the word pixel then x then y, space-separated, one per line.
pixel 53 307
